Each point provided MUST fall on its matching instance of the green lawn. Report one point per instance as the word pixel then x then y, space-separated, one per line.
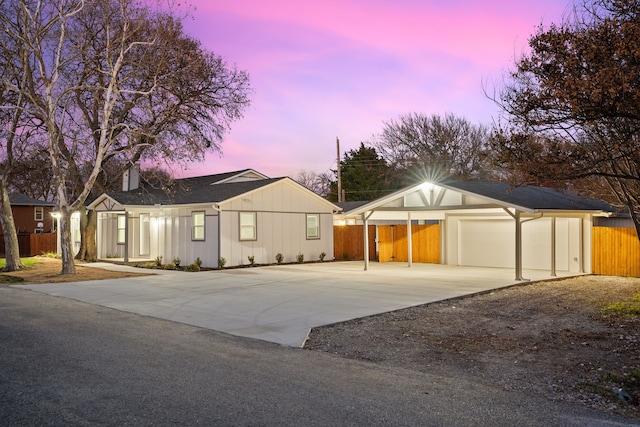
pixel 27 262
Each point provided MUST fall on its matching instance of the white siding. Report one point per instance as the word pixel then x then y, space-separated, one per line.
pixel 169 236
pixel 281 226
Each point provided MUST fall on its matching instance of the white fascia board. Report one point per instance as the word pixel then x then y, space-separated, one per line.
pixel 403 215
pixel 263 176
pixel 571 213
pixel 104 197
pixel 384 200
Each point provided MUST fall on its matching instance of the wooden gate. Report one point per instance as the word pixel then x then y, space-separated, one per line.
pixel 348 242
pixel 615 251
pixel 425 243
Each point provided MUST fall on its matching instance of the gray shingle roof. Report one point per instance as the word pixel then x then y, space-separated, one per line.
pixel 24 200
pixel 190 191
pixel 347 206
pixel 537 198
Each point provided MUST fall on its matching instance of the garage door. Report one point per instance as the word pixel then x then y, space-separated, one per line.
pixel 486 243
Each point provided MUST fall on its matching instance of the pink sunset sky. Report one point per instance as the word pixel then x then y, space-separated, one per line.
pixel 326 69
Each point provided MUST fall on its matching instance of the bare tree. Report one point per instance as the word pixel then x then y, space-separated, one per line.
pixel 111 78
pixel 572 105
pixel 319 183
pixel 442 147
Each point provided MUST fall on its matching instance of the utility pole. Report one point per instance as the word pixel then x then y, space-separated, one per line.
pixel 339 177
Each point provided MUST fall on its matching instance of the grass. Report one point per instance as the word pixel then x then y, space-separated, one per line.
pixel 624 308
pixel 27 262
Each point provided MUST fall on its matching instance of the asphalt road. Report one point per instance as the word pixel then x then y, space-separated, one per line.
pixel 67 363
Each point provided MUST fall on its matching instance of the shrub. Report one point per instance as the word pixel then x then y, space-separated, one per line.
pixel 198 262
pixel 192 267
pixel 221 262
pixel 322 255
pixel 158 261
pixel 147 265
pixel 169 266
pixel 279 258
pixel 177 261
pixel 300 257
pixel 51 255
pixel 252 260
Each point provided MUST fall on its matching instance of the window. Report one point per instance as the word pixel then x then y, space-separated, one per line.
pixel 122 228
pixel 248 226
pixel 75 227
pixel 313 226
pixel 38 213
pixel 197 225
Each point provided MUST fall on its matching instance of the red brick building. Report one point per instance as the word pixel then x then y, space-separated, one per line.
pixel 31 215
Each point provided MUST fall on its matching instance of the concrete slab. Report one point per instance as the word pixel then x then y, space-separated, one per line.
pixel 282 303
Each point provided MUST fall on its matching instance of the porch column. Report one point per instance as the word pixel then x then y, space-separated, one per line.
pixel 409 239
pixel 553 246
pixel 365 220
pixel 126 237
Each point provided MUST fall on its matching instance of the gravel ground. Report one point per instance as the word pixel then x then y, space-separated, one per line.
pixel 547 338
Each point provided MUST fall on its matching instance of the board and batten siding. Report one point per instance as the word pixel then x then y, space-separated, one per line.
pixel 281 214
pixel 169 236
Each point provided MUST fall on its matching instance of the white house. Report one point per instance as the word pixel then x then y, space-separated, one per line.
pixel 233 215
pixel 491 224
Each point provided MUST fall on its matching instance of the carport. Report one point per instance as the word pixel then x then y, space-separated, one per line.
pixel 492 224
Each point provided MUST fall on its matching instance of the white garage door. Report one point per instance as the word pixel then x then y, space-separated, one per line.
pixel 486 243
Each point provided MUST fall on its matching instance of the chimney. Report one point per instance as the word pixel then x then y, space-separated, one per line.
pixel 131 178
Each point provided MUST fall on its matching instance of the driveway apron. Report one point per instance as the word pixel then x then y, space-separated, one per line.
pixel 282 303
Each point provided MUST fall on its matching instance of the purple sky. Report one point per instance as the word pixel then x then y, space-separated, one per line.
pixel 327 69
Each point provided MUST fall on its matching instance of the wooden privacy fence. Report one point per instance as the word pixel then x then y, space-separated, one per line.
pixel 34 244
pixel 615 251
pixel 425 243
pixel 348 242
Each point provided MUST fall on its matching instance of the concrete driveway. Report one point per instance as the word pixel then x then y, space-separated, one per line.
pixel 282 303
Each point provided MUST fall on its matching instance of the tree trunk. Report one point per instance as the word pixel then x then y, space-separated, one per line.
pixel 11 247
pixel 91 232
pixel 68 264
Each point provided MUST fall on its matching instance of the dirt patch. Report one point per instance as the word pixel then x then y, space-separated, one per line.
pixel 47 270
pixel 549 338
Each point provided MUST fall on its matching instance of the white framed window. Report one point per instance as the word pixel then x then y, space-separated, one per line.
pixel 248 226
pixel 38 213
pixel 313 226
pixel 122 229
pixel 197 225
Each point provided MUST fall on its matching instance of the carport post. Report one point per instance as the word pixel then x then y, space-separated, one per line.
pixel 518 245
pixel 365 220
pixel 553 246
pixel 409 242
pixel 126 237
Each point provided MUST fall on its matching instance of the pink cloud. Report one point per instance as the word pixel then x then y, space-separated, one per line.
pixel 340 68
